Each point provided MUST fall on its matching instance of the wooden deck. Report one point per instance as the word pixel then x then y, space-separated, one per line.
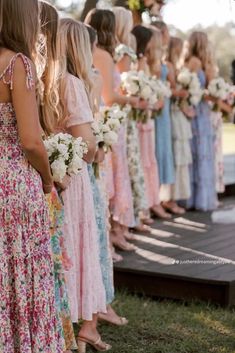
pixel 185 258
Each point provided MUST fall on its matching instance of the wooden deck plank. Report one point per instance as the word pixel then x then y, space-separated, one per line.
pixel 191 238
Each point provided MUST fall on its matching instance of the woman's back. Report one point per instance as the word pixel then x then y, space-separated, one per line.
pixel 10 149
pixel 26 278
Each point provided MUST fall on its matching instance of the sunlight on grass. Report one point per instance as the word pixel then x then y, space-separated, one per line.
pixel 170 327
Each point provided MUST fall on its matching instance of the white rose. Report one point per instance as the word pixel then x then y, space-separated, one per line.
pixel 63 149
pixel 58 168
pixel 110 138
pixel 132 88
pixel 75 165
pixel 114 124
pixel 184 77
pixel 146 92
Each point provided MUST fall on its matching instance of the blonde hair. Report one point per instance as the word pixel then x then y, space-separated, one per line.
pixel 155 53
pixel 175 50
pixel 212 66
pixel 75 53
pixel 19 26
pixel 50 113
pixel 124 25
pixel 198 47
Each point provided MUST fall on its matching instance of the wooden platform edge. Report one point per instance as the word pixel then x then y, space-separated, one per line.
pixel 161 285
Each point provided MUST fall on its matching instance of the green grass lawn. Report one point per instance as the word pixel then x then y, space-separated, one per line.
pixel 170 327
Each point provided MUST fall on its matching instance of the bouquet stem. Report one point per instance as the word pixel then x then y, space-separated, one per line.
pixel 96 170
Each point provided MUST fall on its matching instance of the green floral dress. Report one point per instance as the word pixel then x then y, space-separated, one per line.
pixel 61 263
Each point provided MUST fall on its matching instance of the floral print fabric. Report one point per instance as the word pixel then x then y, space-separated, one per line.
pixel 27 311
pixel 61 261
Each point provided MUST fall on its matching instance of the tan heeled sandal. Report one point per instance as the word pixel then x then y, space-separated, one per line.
pixel 98 345
pixel 120 321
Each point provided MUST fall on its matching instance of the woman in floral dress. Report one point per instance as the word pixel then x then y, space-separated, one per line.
pixel 49 117
pixel 203 184
pixel 125 57
pixel 27 312
pixel 148 52
pixel 84 279
pixel 121 202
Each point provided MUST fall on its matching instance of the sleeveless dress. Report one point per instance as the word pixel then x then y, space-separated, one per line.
pixel 84 280
pixel 27 311
pixel 203 168
pixel 182 135
pixel 121 204
pixel 163 140
pixel 104 248
pixel 149 162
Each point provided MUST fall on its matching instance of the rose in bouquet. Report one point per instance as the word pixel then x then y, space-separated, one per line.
pixel 65 154
pixel 137 83
pixel 189 81
pixel 113 117
pixel 161 89
pixel 218 88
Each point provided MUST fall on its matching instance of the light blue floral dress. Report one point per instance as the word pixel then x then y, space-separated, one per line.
pixel 105 254
pixel 163 140
pixel 203 184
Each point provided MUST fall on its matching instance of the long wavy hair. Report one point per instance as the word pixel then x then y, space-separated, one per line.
pixel 19 26
pixel 124 25
pixel 75 53
pixel 103 21
pixel 155 53
pixel 143 36
pixel 198 46
pixel 174 51
pixel 49 96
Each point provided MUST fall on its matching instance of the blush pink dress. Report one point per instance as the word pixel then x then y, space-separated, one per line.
pixel 121 204
pixel 149 162
pixel 84 280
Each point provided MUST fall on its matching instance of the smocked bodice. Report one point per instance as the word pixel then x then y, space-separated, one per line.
pixel 10 149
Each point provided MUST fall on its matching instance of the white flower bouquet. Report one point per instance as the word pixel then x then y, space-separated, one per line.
pixel 137 83
pixel 108 123
pixel 161 89
pixel 65 154
pixel 122 50
pixel 190 82
pixel 218 88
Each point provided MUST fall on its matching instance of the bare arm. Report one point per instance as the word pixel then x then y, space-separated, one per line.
pixel 25 105
pixel 86 133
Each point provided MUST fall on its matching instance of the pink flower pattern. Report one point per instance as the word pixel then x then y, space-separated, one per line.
pixel 27 304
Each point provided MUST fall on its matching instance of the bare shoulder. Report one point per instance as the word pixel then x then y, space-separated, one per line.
pixel 103 55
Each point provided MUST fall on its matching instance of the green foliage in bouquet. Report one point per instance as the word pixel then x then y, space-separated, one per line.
pixel 136 5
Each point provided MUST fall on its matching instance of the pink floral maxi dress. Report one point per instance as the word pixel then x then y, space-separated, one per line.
pixel 149 162
pixel 27 311
pixel 121 204
pixel 84 280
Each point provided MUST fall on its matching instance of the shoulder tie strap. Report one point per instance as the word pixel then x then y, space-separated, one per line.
pixel 9 71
